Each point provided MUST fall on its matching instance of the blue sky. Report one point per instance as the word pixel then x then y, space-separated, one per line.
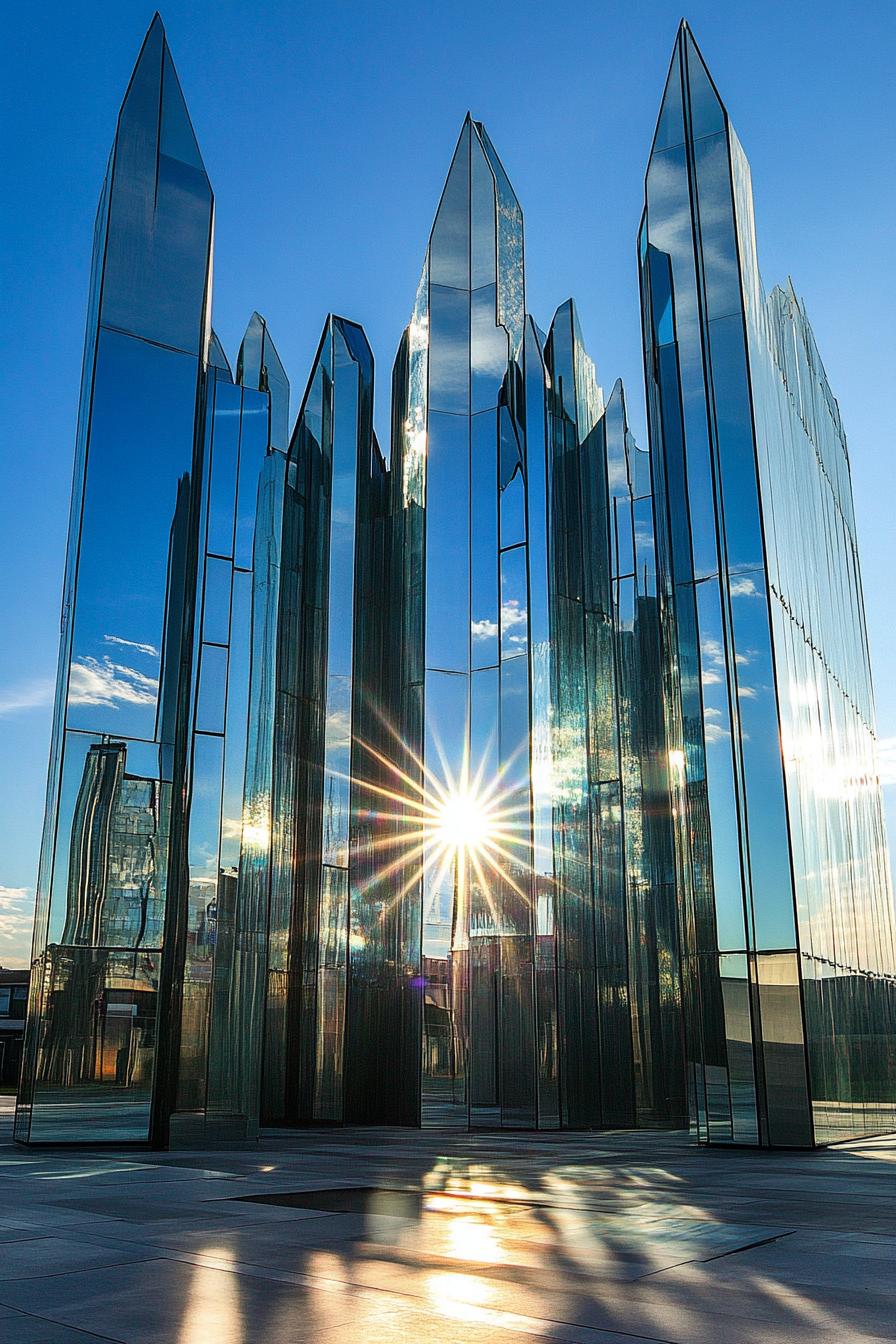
pixel 327 132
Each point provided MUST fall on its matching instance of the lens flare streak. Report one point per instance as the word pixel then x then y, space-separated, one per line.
pixel 456 825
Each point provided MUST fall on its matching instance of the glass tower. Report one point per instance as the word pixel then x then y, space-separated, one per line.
pixel 525 779
pixel 616 931
pixel 458 468
pixel 141 968
pixel 214 980
pixel 92 1030
pixel 549 956
pixel 784 881
pixel 318 703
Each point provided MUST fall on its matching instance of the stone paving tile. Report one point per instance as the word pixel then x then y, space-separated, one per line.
pixel 277 1239
pixel 24 1328
pixel 17 1233
pixel 866 1246
pixel 161 1301
pixel 857 1315
pixel 563 1305
pixel 37 1257
pixel 163 1231
pixel 423 1329
pixel 183 1191
pixel 794 1270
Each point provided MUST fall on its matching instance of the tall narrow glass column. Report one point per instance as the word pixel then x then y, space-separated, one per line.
pixel 458 470
pixel 227 829
pixel 784 886
pixel 111 877
pixel 654 976
pixel 617 938
pixel 329 453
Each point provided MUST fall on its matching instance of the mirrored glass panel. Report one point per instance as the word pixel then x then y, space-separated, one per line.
pixel 133 557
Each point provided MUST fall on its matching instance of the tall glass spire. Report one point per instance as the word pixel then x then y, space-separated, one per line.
pixel 318 704
pixel 146 950
pixel 783 864
pixel 103 903
pixel 459 470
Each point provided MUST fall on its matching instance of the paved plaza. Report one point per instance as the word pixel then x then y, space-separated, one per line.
pixel 375 1236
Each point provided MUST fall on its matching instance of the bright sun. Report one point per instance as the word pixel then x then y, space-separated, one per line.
pixel 466 825
pixel 463 821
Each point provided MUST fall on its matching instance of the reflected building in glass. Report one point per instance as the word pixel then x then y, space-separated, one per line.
pixel 788 933
pixel 520 779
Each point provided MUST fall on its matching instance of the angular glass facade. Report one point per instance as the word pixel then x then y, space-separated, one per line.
pixel 522 779
pixel 617 938
pixel 140 969
pixel 460 456
pixel 788 911
pixel 317 703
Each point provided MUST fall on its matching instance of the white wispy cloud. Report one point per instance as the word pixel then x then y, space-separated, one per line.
pixel 338 727
pixel 102 682
pixel 132 644
pixel 512 614
pixel 484 629
pixel 12 897
pixel 744 587
pixel 16 916
pixel 35 693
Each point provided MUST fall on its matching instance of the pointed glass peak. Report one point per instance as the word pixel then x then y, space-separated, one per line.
pixel 216 357
pixel 615 438
pixel 178 139
pixel 248 361
pixel 459 169
pixel 567 316
pixel 473 135
pixel 534 331
pixel 146 78
pixel 259 366
pixel 707 114
pixel 572 370
pixel 158 212
pixel 505 190
pixel 449 242
pixel 670 122
pixel 154 108
pixel 357 344
pixel 477 235
pixel 699 114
